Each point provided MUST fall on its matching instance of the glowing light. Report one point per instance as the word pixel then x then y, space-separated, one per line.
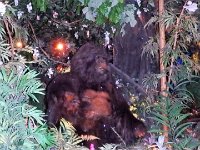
pixel 59 46
pixel 18 44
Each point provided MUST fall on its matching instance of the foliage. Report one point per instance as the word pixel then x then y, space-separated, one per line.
pixel 66 137
pixel 22 125
pixel 194 89
pixel 114 12
pixel 62 20
pixel 103 10
pixel 10 54
pixel 51 19
pixel 40 5
pixel 169 111
pixel 182 38
pixel 4 52
pixel 109 147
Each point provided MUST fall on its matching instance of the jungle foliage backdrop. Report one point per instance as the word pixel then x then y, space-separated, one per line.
pixel 29 30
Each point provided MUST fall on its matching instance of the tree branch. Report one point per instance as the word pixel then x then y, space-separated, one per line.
pixel 175 42
pixel 10 36
pixel 127 78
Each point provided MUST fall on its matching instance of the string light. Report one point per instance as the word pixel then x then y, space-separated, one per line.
pixel 18 44
pixel 59 48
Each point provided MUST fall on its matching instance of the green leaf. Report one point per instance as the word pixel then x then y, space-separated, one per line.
pixel 179 119
pixel 89 14
pixel 95 4
pixel 181 128
pixel 114 3
pixel 160 121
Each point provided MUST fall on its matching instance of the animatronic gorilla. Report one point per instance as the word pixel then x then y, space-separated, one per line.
pixel 88 98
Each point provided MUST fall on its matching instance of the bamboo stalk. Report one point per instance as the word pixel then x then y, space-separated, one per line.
pixel 162 42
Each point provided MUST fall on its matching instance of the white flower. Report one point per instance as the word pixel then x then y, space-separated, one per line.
pixel 160 143
pixel 88 33
pixel 84 26
pixel 118 83
pixel 76 35
pixel 29 7
pixel 189 3
pixel 1 63
pixel 16 2
pixel 50 72
pixel 113 29
pixel 191 7
pixel 55 14
pixel 2 9
pixel 139 2
pixel 36 54
pixel 139 12
pixel 38 17
pixel 107 38
pixel 109 46
pixel 19 14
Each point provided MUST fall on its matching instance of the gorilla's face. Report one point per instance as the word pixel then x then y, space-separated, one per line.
pixel 90 63
pixel 101 65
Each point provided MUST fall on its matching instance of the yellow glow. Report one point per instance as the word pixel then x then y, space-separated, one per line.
pixel 18 44
pixel 195 57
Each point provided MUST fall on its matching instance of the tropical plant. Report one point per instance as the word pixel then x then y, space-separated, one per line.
pixel 109 147
pixel 175 50
pixel 22 125
pixel 66 137
pixel 177 58
pixel 169 111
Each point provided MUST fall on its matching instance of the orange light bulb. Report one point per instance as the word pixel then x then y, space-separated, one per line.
pixel 18 44
pixel 60 46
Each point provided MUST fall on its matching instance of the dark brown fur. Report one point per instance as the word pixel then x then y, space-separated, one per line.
pixel 89 99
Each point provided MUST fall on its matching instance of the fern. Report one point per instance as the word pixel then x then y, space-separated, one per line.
pixel 188 142
pixel 5 52
pixel 89 137
pixel 169 113
pixel 2 31
pixel 66 137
